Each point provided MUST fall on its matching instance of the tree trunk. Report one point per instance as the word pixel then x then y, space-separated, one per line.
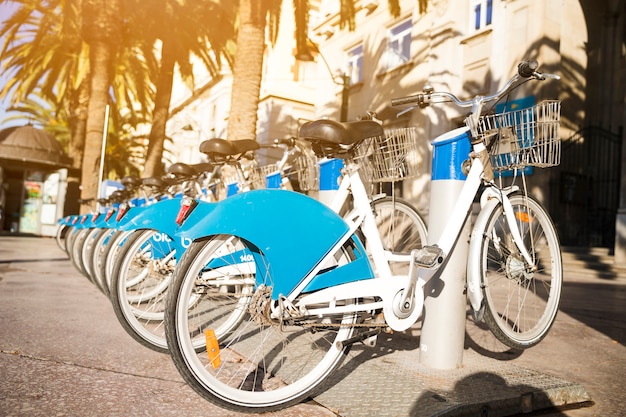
pixel 78 123
pixel 156 143
pixel 247 70
pixel 101 29
pixel 100 56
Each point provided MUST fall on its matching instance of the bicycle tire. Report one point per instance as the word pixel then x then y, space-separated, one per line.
pixel 87 252
pixel 521 301
pixel 59 236
pixel 111 251
pixel 70 235
pixel 96 258
pixel 76 253
pixel 263 365
pixel 401 226
pixel 139 282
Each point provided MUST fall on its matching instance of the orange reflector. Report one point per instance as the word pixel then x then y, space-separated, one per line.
pixel 212 348
pixel 523 217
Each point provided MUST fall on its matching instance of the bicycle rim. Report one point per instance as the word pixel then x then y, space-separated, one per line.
pixel 98 258
pixel 400 225
pixel 112 251
pixel 251 361
pixel 142 274
pixel 521 300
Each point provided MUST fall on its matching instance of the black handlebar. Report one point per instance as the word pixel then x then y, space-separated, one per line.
pixel 417 98
pixel 290 142
pixel 526 69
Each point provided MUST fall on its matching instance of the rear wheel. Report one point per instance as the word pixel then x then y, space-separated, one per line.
pixel 224 340
pixel 60 236
pixel 141 274
pixel 111 252
pixel 96 258
pixel 76 253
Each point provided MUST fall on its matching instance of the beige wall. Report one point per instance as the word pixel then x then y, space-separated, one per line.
pixel 449 54
pixel 446 53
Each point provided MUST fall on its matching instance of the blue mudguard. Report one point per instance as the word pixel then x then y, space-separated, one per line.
pixel 160 216
pixel 293 231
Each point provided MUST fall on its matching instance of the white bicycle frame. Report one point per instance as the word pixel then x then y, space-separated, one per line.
pixel 402 297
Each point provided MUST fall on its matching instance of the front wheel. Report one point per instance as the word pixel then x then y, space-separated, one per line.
pixel 224 340
pixel 521 300
pixel 400 225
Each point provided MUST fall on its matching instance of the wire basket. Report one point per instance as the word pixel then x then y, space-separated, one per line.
pixel 305 172
pixel 258 177
pixel 521 138
pixel 390 158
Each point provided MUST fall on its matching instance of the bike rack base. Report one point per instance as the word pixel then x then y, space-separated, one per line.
pixel 388 381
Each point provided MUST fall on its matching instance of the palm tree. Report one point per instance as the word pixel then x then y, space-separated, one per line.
pixel 44 52
pixel 101 29
pixel 248 65
pixel 185 30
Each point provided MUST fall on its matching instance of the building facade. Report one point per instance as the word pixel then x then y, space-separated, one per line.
pixel 466 47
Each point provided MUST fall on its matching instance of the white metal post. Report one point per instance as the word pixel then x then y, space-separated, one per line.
pixel 443 328
pixel 103 152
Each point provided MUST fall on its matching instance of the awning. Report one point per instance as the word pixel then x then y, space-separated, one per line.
pixel 29 147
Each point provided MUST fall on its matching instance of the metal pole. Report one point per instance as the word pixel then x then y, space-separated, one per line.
pixel 345 97
pixel 104 147
pixel 443 328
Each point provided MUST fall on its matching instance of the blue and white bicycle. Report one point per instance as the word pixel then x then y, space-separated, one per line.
pixel 276 287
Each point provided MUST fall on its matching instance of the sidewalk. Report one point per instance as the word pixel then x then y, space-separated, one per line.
pixel 62 352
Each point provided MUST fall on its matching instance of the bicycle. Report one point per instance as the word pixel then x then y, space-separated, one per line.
pixel 285 331
pixel 142 267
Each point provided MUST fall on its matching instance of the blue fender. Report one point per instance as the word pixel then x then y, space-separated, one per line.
pixel 293 231
pixel 160 216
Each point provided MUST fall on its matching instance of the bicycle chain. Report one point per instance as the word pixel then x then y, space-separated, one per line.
pixel 259 310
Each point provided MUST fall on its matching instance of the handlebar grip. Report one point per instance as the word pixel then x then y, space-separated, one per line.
pixel 290 142
pixel 527 68
pixel 417 98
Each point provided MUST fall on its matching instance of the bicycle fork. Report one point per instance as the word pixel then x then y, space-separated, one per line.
pixel 490 199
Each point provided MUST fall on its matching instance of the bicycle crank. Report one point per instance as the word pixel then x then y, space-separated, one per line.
pixel 401 314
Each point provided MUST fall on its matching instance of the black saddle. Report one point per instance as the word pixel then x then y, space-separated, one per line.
pixel 337 139
pixel 131 182
pixel 222 150
pixel 118 196
pixel 154 182
pixel 181 170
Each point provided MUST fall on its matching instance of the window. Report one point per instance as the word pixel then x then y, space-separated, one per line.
pixel 399 45
pixel 354 64
pixel 481 13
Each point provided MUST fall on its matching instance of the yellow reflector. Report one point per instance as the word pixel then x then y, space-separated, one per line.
pixel 212 348
pixel 523 217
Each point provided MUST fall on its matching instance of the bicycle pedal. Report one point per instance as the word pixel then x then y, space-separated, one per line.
pixel 428 257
